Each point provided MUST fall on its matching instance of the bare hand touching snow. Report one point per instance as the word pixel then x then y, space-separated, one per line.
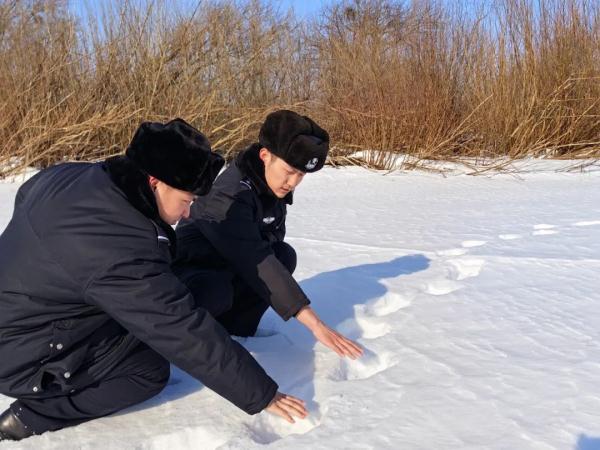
pixel 328 336
pixel 288 407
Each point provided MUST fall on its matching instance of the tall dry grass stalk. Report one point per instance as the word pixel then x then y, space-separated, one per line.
pixel 422 79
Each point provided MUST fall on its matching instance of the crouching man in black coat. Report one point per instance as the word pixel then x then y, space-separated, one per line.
pixel 90 312
pixel 231 251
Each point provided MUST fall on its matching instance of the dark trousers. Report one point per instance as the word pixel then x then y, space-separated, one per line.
pixel 228 298
pixel 140 375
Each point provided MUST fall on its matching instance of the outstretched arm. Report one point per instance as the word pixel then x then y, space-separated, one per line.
pixel 238 240
pixel 149 301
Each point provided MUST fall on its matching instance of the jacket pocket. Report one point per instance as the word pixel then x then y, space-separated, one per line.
pixel 66 356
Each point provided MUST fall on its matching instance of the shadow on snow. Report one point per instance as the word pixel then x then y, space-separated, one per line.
pixel 288 357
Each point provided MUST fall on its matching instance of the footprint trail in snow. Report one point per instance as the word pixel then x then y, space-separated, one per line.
pixel 450 270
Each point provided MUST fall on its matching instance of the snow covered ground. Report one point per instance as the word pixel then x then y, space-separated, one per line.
pixel 477 300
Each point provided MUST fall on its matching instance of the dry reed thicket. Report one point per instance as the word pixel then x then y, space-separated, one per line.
pixel 427 80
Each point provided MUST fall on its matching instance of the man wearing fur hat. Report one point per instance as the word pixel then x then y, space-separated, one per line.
pixel 90 312
pixel 232 253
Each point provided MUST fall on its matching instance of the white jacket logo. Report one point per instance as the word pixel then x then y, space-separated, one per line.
pixel 312 163
pixel 269 220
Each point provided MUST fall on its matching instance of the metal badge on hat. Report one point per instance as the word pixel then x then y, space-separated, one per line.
pixel 312 163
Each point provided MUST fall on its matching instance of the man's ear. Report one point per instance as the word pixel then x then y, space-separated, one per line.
pixel 265 155
pixel 153 181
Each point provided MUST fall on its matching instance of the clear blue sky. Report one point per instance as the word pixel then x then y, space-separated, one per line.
pixel 302 8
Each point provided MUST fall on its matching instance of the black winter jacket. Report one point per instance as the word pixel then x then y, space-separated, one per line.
pixel 233 227
pixel 85 273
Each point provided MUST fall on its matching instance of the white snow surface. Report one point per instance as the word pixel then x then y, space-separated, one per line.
pixel 477 300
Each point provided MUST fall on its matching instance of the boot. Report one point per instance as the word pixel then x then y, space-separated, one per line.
pixel 11 427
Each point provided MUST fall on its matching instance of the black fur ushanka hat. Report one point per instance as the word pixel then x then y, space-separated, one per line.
pixel 296 139
pixel 177 154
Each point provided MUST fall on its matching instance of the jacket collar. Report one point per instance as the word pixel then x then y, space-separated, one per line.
pixel 252 167
pixel 134 184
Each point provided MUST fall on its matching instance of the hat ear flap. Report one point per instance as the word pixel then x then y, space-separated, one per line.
pixel 316 130
pixel 206 178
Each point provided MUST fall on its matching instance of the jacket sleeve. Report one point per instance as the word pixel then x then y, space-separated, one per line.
pixel 148 300
pixel 237 238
